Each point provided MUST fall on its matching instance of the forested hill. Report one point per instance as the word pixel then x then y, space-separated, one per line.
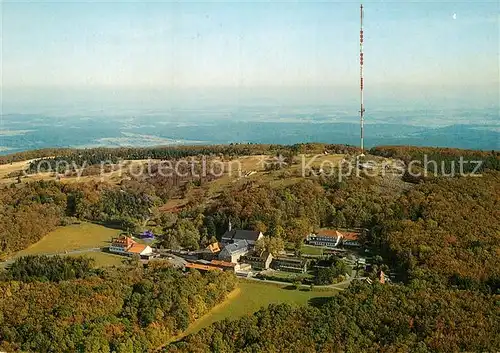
pixel 64 305
pixel 444 234
pixel 365 318
pixel 491 159
pixel 440 234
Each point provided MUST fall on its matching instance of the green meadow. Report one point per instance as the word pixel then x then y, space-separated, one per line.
pixel 250 296
pixel 73 237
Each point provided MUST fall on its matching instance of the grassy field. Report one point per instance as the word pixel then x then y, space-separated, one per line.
pixel 72 237
pixel 6 169
pixel 249 297
pixel 114 176
pixel 103 259
pixel 311 250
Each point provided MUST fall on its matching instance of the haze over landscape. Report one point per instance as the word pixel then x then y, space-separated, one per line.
pixel 115 73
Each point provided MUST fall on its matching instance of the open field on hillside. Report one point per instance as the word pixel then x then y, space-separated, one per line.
pixel 6 169
pixel 249 297
pixel 103 259
pixel 115 176
pixel 235 169
pixel 253 167
pixel 72 237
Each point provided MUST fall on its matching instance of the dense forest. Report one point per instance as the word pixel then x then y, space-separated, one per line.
pixel 447 229
pixel 365 318
pixel 28 213
pixel 443 237
pixel 62 305
pixel 52 269
pixel 446 159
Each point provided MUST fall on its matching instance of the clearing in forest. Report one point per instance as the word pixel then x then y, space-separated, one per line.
pixel 249 296
pixel 73 237
pixel 103 259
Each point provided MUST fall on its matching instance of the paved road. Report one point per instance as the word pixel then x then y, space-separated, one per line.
pixel 175 260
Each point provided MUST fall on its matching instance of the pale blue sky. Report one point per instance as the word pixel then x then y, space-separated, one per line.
pixel 279 44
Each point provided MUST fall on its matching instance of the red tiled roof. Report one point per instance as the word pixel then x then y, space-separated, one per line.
pixel 123 241
pixel 137 248
pixel 328 233
pixel 350 236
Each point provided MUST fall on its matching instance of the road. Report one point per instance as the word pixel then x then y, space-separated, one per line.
pixel 175 260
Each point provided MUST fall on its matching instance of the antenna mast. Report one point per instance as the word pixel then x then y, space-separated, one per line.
pixel 362 111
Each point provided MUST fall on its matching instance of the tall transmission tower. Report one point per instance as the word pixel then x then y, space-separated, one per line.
pixel 362 110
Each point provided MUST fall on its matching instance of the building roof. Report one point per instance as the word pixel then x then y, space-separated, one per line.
pixel 291 260
pixel 137 248
pixel 123 241
pixel 213 247
pixel 329 233
pixel 256 257
pixel 235 247
pixel 238 234
pixel 222 263
pixel 203 267
pixel 350 236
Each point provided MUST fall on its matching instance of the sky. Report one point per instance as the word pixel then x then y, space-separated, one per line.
pixel 182 45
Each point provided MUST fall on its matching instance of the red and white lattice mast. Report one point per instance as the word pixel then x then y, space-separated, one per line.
pixel 362 110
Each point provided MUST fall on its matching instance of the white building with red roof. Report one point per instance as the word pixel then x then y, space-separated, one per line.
pixel 332 238
pixel 127 246
pixel 325 237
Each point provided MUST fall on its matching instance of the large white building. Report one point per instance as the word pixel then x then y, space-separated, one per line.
pixel 325 237
pixel 127 246
pixel 332 238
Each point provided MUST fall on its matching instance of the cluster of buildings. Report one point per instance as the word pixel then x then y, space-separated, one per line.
pixel 236 251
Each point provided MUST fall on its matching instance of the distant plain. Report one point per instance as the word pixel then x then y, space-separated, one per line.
pixel 475 128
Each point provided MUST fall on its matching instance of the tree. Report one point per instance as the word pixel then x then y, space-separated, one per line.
pixel 260 227
pixel 273 245
pixel 339 220
pixel 261 245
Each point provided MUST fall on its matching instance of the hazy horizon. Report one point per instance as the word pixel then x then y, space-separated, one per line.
pixel 150 69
